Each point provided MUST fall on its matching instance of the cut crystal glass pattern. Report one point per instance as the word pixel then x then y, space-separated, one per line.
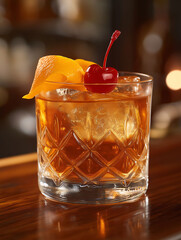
pixel 107 160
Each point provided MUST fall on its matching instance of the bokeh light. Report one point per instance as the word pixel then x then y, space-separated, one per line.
pixel 173 80
pixel 152 43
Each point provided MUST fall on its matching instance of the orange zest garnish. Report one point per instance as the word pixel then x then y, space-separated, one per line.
pixel 55 71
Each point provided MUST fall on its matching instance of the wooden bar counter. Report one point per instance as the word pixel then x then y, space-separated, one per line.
pixel 26 214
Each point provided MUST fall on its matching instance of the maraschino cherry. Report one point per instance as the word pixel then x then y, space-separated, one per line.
pixel 105 75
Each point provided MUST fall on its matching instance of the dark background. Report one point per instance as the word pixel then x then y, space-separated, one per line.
pixel 29 29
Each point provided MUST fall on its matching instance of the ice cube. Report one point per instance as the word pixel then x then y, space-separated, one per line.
pixel 131 84
pixel 66 93
pixel 123 120
pixel 92 116
pixel 93 121
pixel 129 79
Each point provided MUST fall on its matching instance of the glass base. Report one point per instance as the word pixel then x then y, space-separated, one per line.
pixel 107 193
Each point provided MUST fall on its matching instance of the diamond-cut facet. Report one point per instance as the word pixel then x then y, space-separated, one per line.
pixel 124 166
pixel 139 144
pixel 60 165
pixel 108 147
pixel 91 167
pixel 108 177
pixel 51 173
pixel 46 139
pixel 72 146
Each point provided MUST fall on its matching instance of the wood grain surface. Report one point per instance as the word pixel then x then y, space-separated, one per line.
pixel 26 214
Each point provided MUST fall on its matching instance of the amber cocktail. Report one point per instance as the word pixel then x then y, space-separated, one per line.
pixel 92 147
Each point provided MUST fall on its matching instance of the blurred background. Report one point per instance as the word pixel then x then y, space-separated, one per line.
pixel 29 29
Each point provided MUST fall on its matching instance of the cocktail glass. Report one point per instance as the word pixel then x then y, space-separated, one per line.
pixel 94 148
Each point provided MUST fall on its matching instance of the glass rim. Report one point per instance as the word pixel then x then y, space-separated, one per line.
pixel 149 79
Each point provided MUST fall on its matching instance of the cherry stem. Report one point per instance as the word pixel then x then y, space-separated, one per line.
pixel 114 36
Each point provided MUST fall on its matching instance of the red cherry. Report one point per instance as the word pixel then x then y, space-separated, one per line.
pixel 104 75
pixel 97 74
